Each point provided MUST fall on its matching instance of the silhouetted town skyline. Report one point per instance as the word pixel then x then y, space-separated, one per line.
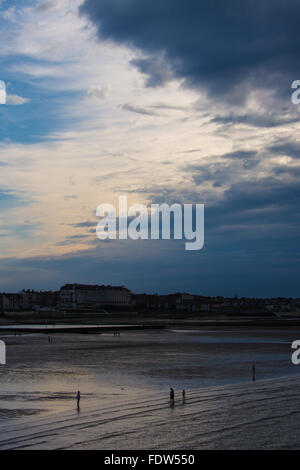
pixel 87 297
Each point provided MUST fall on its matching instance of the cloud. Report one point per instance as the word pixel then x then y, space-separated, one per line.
pixel 138 110
pixel 15 100
pixel 11 198
pixel 291 171
pixel 256 120
pixel 70 197
pixel 156 70
pixel 169 107
pixel 288 148
pixel 240 154
pixel 73 240
pixel 226 48
pixel 224 169
pixel 99 92
pixel 84 224
pixel 49 5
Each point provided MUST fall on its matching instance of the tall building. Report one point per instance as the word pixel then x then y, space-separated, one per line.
pixel 76 296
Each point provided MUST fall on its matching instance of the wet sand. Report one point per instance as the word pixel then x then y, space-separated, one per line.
pixel 261 415
pixel 39 382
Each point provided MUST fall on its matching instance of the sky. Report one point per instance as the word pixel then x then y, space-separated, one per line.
pixel 165 102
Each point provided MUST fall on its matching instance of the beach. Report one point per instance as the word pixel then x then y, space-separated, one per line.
pixel 124 382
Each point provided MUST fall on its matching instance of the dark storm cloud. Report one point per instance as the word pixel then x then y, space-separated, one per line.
pixel 254 272
pixel 226 47
pixel 220 173
pixel 156 70
pixel 256 197
pixel 216 173
pixel 253 204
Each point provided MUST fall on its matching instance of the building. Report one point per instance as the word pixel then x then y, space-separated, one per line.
pixel 10 302
pixel 28 300
pixel 150 301
pixel 176 301
pixel 33 300
pixel 81 296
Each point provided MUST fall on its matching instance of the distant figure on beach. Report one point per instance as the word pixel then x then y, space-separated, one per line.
pixel 183 395
pixel 253 373
pixel 172 395
pixel 78 398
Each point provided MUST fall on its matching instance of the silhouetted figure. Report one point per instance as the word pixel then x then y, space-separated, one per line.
pixel 172 396
pixel 183 395
pixel 78 399
pixel 253 373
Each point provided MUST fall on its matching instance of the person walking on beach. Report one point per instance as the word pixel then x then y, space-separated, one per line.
pixel 183 395
pixel 253 373
pixel 172 395
pixel 78 398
